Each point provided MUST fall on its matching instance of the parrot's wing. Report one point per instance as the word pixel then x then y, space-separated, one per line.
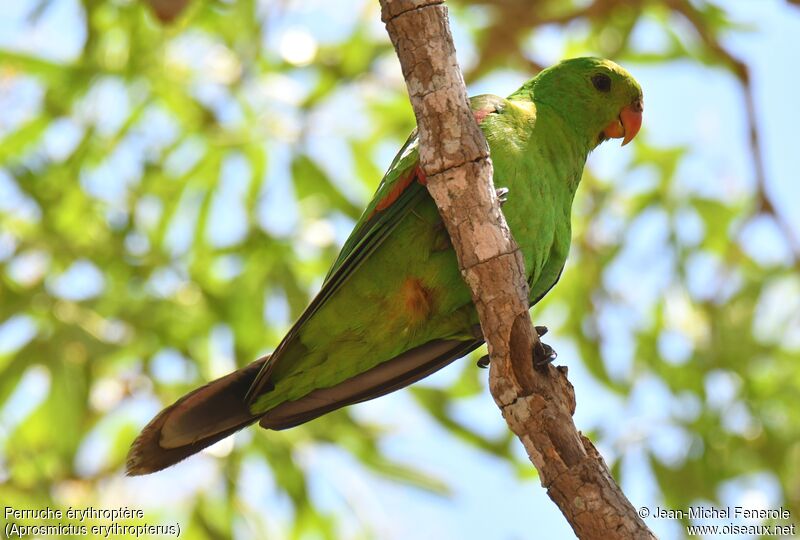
pixel 398 192
pixel 401 189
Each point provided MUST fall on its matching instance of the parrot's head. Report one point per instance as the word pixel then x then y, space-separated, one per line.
pixel 596 96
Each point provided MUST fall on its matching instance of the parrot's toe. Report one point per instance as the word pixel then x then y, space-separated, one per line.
pixel 483 361
pixel 543 355
pixel 502 195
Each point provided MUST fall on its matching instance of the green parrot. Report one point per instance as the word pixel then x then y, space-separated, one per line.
pixel 393 307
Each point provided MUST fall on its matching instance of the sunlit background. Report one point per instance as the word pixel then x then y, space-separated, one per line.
pixel 176 176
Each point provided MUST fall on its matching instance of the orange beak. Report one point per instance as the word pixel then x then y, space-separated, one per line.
pixel 627 125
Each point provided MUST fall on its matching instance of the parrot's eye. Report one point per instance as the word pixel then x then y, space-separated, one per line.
pixel 602 82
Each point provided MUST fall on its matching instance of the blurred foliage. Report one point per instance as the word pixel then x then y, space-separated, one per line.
pixel 172 193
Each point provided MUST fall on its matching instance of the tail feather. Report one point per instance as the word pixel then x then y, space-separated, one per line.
pixel 197 420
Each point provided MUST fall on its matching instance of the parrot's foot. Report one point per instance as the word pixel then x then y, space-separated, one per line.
pixel 545 354
pixel 502 195
pixel 541 355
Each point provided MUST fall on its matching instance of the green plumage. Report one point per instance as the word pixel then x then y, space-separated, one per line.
pixel 408 290
pixel 394 307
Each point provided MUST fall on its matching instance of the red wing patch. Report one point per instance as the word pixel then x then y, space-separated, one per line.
pixel 404 181
pixel 421 177
pixel 481 114
pixel 400 185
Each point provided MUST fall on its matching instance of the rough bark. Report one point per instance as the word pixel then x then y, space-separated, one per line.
pixel 537 404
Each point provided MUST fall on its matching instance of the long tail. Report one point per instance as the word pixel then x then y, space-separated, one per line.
pixel 197 420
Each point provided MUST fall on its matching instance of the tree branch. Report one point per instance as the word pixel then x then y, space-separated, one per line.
pixel 455 157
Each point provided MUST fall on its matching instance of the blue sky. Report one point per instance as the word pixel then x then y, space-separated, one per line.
pixel 685 104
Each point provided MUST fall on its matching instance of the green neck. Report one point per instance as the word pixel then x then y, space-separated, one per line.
pixel 570 116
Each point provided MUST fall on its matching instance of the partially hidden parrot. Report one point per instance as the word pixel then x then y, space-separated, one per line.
pixel 393 307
